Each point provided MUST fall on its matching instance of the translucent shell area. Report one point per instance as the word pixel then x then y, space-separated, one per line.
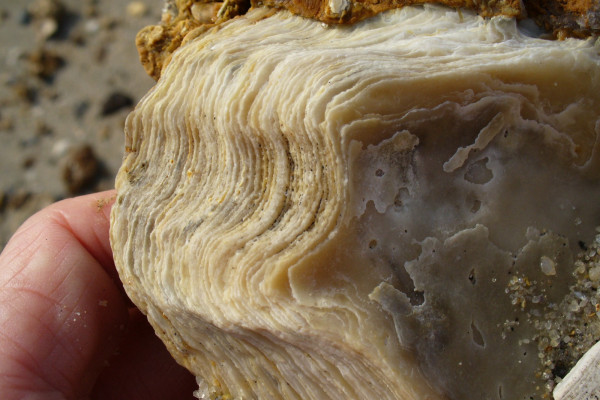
pixel 390 210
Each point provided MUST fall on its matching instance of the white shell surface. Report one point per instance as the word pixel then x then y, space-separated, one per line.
pixel 583 382
pixel 307 212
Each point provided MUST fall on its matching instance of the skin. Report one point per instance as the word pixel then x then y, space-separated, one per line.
pixel 67 329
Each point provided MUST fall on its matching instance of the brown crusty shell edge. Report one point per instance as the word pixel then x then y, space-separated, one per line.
pixel 183 20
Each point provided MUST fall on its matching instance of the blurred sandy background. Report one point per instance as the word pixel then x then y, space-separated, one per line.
pixel 69 75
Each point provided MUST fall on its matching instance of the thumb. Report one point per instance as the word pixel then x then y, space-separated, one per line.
pixel 61 310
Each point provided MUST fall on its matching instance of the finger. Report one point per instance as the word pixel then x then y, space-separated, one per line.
pixel 61 313
pixel 143 369
pixel 86 218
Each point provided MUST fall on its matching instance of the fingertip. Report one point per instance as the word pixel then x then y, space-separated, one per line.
pixel 88 220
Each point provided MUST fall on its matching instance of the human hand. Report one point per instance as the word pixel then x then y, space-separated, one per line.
pixel 67 330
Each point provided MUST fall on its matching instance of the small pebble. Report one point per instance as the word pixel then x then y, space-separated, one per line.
pixel 92 26
pixel 47 29
pixel 25 93
pixel 548 266
pixel 137 9
pixel 48 16
pixel 25 17
pixel 81 168
pixel 28 162
pixel 594 274
pixel 45 63
pixel 205 12
pixel 60 148
pixel 81 108
pixel 115 102
pixel 42 129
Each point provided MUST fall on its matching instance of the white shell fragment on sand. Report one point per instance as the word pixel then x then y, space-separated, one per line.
pixel 390 210
pixel 583 382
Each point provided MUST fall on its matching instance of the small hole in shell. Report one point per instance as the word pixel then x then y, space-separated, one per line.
pixel 477 336
pixel 472 277
pixel 476 206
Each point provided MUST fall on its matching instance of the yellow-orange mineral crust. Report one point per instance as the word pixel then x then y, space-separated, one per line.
pixel 349 12
pixel 566 18
pixel 182 19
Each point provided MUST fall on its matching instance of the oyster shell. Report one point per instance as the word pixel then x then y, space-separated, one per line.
pixel 389 210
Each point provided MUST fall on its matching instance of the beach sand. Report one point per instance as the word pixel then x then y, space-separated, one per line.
pixel 69 75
